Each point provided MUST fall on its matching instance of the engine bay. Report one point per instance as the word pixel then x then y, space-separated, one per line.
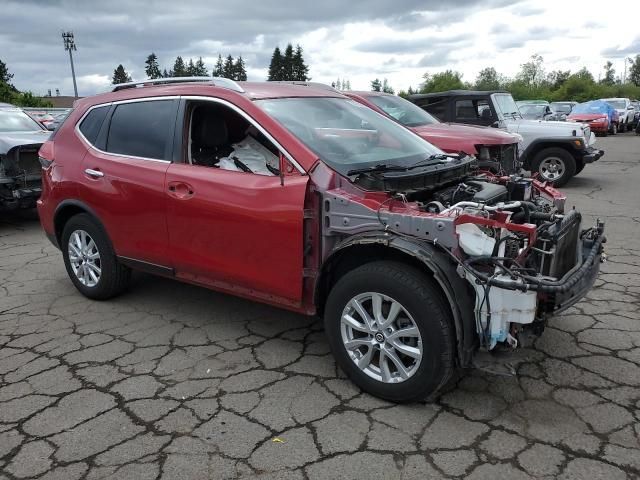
pixel 521 254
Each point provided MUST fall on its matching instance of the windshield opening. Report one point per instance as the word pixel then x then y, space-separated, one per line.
pixel 506 104
pixel 590 107
pixel 619 104
pixel 561 107
pixel 405 112
pixel 17 121
pixel 345 133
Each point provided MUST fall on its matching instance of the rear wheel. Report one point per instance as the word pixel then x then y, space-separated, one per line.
pixel 90 260
pixel 554 165
pixel 390 331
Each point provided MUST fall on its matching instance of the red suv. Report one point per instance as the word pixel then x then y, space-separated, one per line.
pixel 302 198
pixel 494 149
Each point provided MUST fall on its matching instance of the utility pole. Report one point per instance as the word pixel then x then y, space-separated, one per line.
pixel 70 45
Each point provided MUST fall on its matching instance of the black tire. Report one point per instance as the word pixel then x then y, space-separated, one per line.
pixel 569 165
pixel 579 167
pixel 428 308
pixel 114 277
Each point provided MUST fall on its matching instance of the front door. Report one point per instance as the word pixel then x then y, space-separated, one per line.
pixel 237 231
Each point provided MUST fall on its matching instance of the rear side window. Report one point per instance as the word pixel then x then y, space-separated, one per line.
pixel 142 129
pixel 90 126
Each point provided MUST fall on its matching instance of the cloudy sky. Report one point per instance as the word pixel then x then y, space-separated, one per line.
pixel 359 40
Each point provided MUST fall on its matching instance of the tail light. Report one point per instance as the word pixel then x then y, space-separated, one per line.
pixel 46 154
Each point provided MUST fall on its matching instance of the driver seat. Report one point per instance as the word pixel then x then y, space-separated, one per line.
pixel 209 137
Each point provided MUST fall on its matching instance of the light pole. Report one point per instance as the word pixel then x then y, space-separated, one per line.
pixel 70 45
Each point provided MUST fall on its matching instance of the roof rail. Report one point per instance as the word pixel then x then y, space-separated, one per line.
pixel 216 81
pixel 322 86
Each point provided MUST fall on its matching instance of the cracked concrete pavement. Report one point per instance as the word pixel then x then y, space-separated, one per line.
pixel 174 381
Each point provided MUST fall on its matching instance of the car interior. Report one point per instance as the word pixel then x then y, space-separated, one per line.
pixel 219 137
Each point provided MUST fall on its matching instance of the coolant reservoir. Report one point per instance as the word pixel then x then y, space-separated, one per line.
pixel 506 306
pixel 474 241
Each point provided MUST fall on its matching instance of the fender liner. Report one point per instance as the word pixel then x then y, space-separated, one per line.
pixel 457 291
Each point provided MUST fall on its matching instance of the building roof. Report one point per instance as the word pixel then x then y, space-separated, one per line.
pixel 60 101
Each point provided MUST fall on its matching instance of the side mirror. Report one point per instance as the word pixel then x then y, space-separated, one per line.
pixel 630 107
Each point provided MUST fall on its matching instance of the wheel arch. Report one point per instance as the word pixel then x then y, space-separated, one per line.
pixel 362 249
pixel 68 209
pixel 537 146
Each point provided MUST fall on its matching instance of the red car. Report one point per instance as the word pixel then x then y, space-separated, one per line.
pixel 602 117
pixel 302 198
pixel 495 148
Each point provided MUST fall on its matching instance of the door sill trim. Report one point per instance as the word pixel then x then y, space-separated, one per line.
pixel 147 266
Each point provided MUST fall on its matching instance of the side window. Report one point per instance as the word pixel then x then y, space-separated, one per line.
pixel 219 137
pixel 465 109
pixel 436 107
pixel 473 109
pixel 142 129
pixel 90 126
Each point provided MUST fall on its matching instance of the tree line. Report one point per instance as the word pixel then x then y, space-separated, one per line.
pixel 230 67
pixel 10 94
pixel 289 65
pixel 533 82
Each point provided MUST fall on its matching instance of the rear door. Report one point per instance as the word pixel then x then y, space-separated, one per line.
pixel 124 176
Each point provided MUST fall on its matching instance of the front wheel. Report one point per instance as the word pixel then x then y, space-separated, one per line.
pixel 90 260
pixel 390 331
pixel 554 165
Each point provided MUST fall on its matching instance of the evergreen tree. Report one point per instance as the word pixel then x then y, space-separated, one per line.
pixel 152 69
pixel 337 85
pixel 376 85
pixel 275 67
pixel 166 74
pixel 386 88
pixel 120 75
pixel 179 68
pixel 300 69
pixel 227 69
pixel 200 69
pixel 191 68
pixel 346 85
pixel 288 70
pixel 5 76
pixel 218 68
pixel 240 72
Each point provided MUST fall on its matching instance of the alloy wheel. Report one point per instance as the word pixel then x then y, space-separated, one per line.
pixel 84 258
pixel 552 168
pixel 381 337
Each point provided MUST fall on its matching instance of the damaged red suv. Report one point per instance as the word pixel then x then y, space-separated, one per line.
pixel 302 198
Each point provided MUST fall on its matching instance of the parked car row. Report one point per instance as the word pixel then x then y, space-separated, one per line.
pixel 416 257
pixel 628 112
pixel 555 151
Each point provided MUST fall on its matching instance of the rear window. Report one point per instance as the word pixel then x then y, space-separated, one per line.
pixel 141 129
pixel 90 126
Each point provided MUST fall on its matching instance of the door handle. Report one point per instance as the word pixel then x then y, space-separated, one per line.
pixel 180 190
pixel 94 173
